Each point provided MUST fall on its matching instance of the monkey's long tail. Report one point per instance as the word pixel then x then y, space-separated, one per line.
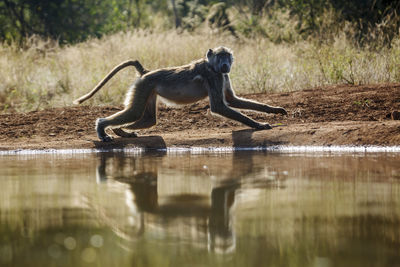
pixel 125 64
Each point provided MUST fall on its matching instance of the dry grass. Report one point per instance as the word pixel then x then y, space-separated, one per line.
pixel 46 74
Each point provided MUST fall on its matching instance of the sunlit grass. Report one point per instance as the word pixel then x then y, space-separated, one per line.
pixel 46 74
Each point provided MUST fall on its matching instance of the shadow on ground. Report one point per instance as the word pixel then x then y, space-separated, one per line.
pixel 146 142
pixel 246 138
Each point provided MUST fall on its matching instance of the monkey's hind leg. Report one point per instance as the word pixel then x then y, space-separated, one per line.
pixel 121 133
pixel 133 112
pixel 149 119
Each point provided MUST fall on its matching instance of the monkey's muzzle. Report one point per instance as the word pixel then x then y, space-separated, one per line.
pixel 225 68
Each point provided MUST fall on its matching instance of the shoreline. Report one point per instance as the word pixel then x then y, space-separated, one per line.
pixel 329 116
pixel 202 150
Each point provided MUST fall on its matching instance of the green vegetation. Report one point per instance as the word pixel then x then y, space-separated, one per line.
pixel 53 51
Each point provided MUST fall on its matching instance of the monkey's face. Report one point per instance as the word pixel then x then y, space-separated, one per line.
pixel 221 59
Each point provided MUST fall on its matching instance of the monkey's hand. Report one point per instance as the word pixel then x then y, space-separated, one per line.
pixel 263 126
pixel 280 110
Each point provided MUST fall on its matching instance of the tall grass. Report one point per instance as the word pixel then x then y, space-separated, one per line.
pixel 46 74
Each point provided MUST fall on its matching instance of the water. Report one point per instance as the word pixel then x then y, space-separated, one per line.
pixel 212 209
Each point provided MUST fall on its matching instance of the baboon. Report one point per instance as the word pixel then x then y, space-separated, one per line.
pixel 186 84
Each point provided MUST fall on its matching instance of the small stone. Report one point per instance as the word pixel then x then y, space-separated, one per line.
pixel 395 115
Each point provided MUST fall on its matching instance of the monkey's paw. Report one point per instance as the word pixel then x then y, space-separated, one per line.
pixel 106 138
pixel 281 111
pixel 263 126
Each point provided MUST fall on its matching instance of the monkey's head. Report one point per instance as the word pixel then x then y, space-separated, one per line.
pixel 220 59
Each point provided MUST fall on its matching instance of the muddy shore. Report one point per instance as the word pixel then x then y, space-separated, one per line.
pixel 333 115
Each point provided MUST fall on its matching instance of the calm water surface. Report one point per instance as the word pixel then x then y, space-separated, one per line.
pixel 233 209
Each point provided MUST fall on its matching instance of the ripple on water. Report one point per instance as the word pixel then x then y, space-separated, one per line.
pixel 196 150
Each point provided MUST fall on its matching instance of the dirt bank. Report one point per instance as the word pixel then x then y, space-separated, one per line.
pixel 335 115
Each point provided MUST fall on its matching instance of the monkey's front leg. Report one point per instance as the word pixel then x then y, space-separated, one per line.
pixel 217 104
pixel 252 105
pixel 237 116
pixel 237 102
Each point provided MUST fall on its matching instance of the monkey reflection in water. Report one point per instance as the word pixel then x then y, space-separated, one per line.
pixel 141 175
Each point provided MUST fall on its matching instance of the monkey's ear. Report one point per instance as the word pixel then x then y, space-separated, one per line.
pixel 209 53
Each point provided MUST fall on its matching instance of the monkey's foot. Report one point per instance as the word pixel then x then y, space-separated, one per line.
pixel 105 138
pixel 122 133
pixel 100 130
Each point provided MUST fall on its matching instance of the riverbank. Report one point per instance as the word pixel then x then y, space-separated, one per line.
pixel 328 116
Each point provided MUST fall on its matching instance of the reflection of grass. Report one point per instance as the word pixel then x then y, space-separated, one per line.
pixel 51 246
pixel 46 74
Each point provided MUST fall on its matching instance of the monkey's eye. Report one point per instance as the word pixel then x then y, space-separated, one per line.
pixel 225 58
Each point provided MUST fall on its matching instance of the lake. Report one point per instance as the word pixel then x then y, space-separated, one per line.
pixel 244 208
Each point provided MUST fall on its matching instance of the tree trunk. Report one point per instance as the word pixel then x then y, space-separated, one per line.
pixel 138 13
pixel 177 19
pixel 129 16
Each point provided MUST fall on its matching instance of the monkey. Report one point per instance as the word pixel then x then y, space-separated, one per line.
pixel 185 84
